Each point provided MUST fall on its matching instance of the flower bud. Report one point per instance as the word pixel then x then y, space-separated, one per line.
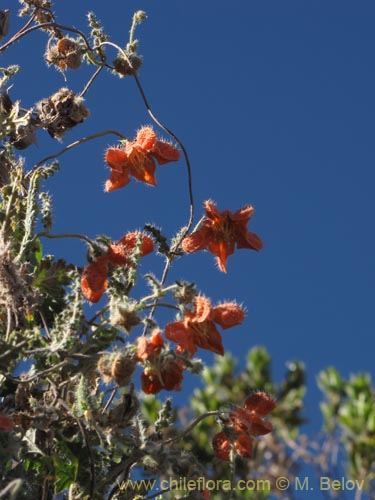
pixel 139 16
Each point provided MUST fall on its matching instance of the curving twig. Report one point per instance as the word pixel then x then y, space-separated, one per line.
pixel 193 424
pixel 91 80
pixel 25 32
pixel 73 145
pixel 170 133
pixel 64 235
pixel 37 375
pixel 187 160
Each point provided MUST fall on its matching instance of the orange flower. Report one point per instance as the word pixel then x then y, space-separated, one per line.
pixel 137 158
pixel 222 446
pixel 162 369
pixel 246 422
pixel 221 232
pixel 243 446
pixel 249 419
pixel 94 281
pixel 166 374
pixel 149 347
pixel 198 328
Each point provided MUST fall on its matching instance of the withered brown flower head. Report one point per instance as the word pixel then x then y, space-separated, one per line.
pixel 61 112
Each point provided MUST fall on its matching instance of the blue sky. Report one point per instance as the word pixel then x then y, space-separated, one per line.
pixel 274 102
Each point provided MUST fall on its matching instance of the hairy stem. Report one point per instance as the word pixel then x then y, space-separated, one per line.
pixel 91 80
pixel 25 32
pixel 73 145
pixel 193 424
pixel 64 235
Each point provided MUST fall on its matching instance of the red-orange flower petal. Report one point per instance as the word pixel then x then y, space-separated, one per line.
pixel 228 314
pixel 260 403
pixel 209 338
pixel 244 446
pixel 169 377
pixel 117 160
pixel 130 241
pixel 259 426
pixel 183 336
pixel 150 381
pixel 249 419
pixel 249 423
pixel 222 446
pixel 172 375
pixel 202 309
pixel 146 138
pixel 145 172
pixel 221 249
pixel 118 253
pixel 116 181
pixel 148 347
pixel 195 241
pixel 192 335
pixel 250 241
pixel 165 152
pixel 94 280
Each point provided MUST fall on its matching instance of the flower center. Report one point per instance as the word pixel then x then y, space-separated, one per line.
pixel 199 328
pixel 136 157
pixel 225 229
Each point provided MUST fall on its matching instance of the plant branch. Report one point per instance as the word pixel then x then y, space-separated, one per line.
pixel 161 304
pixel 73 145
pixel 91 80
pixel 187 160
pixel 20 31
pixel 39 374
pixel 64 235
pixel 170 133
pixel 25 32
pixel 193 424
